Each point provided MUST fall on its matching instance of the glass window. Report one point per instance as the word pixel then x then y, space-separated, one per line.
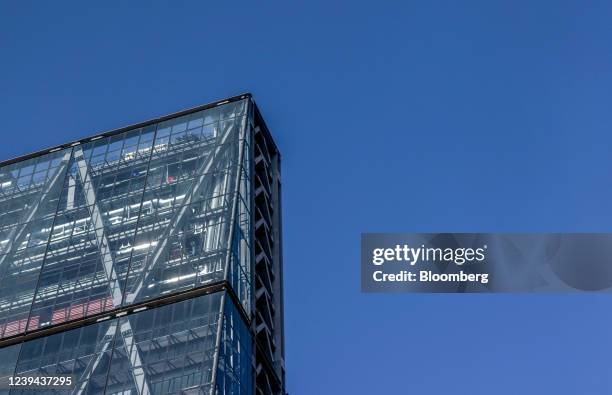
pixel 122 219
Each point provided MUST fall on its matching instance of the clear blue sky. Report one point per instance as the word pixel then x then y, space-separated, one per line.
pixel 485 116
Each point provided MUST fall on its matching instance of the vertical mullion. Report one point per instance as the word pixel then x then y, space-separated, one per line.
pixel 42 263
pixel 217 349
pixel 140 213
pixel 44 259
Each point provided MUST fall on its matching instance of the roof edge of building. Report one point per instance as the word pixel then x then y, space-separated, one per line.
pixel 113 132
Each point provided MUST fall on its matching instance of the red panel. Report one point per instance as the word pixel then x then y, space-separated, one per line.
pixel 58 316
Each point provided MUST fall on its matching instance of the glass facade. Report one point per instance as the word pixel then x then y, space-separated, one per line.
pixel 127 260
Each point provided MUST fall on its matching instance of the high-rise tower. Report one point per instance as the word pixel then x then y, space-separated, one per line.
pixel 147 260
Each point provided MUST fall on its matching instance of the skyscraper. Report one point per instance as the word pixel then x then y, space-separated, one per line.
pixel 146 260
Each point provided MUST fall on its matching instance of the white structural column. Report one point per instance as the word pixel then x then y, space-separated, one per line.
pixel 16 233
pixel 134 356
pixel 97 221
pixel 125 327
pixel 107 260
pixel 132 353
pixel 176 221
pixel 94 362
pixel 71 193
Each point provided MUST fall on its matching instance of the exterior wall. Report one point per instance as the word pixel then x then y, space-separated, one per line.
pixel 175 343
pixel 150 229
pixel 267 321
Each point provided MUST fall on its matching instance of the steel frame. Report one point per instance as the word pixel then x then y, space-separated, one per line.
pixel 126 329
pixel 266 323
pixel 267 318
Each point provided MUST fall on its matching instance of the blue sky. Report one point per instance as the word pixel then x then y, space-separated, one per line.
pixel 431 116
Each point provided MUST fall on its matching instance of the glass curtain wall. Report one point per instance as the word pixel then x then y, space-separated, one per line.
pixel 127 219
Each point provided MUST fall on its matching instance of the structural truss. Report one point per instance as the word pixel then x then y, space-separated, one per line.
pixel 147 260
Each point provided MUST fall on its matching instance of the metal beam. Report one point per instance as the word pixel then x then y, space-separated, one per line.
pixel 94 362
pixel 177 220
pixel 17 233
pixel 126 330
pixel 142 386
pixel 108 262
pixel 98 224
pixel 139 125
pixel 109 268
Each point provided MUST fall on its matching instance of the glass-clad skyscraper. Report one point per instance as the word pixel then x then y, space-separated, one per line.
pixel 146 260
